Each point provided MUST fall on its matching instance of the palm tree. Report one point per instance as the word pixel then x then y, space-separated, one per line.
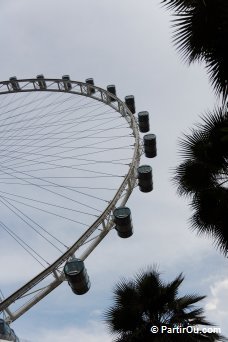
pixel 201 35
pixel 146 301
pixel 203 176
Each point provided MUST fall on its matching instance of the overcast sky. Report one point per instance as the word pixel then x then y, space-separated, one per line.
pixel 127 43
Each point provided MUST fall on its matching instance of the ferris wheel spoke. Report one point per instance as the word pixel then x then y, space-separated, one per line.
pixel 13 172
pixel 24 245
pixel 66 148
pixel 53 213
pixel 74 125
pixel 30 199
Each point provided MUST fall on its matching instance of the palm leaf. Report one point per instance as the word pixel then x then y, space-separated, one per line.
pixel 211 215
pixel 179 4
pixel 205 154
pixel 201 31
pixel 192 177
pixel 157 303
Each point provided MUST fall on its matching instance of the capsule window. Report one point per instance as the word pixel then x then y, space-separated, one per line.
pixel 150 148
pixel 122 219
pixel 130 102
pixel 143 120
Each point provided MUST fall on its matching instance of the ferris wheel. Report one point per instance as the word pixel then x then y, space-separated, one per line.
pixel 70 158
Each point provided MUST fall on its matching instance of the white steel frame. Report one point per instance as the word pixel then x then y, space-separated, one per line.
pixel 105 222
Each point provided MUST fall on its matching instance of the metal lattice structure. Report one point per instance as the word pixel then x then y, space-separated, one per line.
pixel 104 223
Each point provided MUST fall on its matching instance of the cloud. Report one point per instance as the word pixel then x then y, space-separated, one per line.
pixel 219 300
pixel 93 332
pixel 217 303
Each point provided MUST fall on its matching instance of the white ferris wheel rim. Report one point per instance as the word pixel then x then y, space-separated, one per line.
pixel 123 192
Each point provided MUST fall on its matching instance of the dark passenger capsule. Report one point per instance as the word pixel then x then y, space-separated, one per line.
pixel 143 119
pixel 66 82
pixel 130 102
pixel 41 82
pixel 150 148
pixel 90 81
pixel 6 333
pixel 14 83
pixel 111 89
pixel 145 181
pixel 122 219
pixel 77 276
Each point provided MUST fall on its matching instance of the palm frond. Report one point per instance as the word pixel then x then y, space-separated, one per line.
pixel 212 205
pixel 214 121
pixel 187 302
pixel 178 4
pixel 192 177
pixel 192 145
pixel 123 319
pixel 124 292
pixel 210 216
pixel 202 147
pixel 201 31
pixel 218 73
pixel 156 303
pixel 172 288
pixel 205 153
pixel 195 317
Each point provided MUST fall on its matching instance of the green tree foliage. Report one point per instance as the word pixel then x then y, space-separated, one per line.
pixel 147 301
pixel 201 31
pixel 203 175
